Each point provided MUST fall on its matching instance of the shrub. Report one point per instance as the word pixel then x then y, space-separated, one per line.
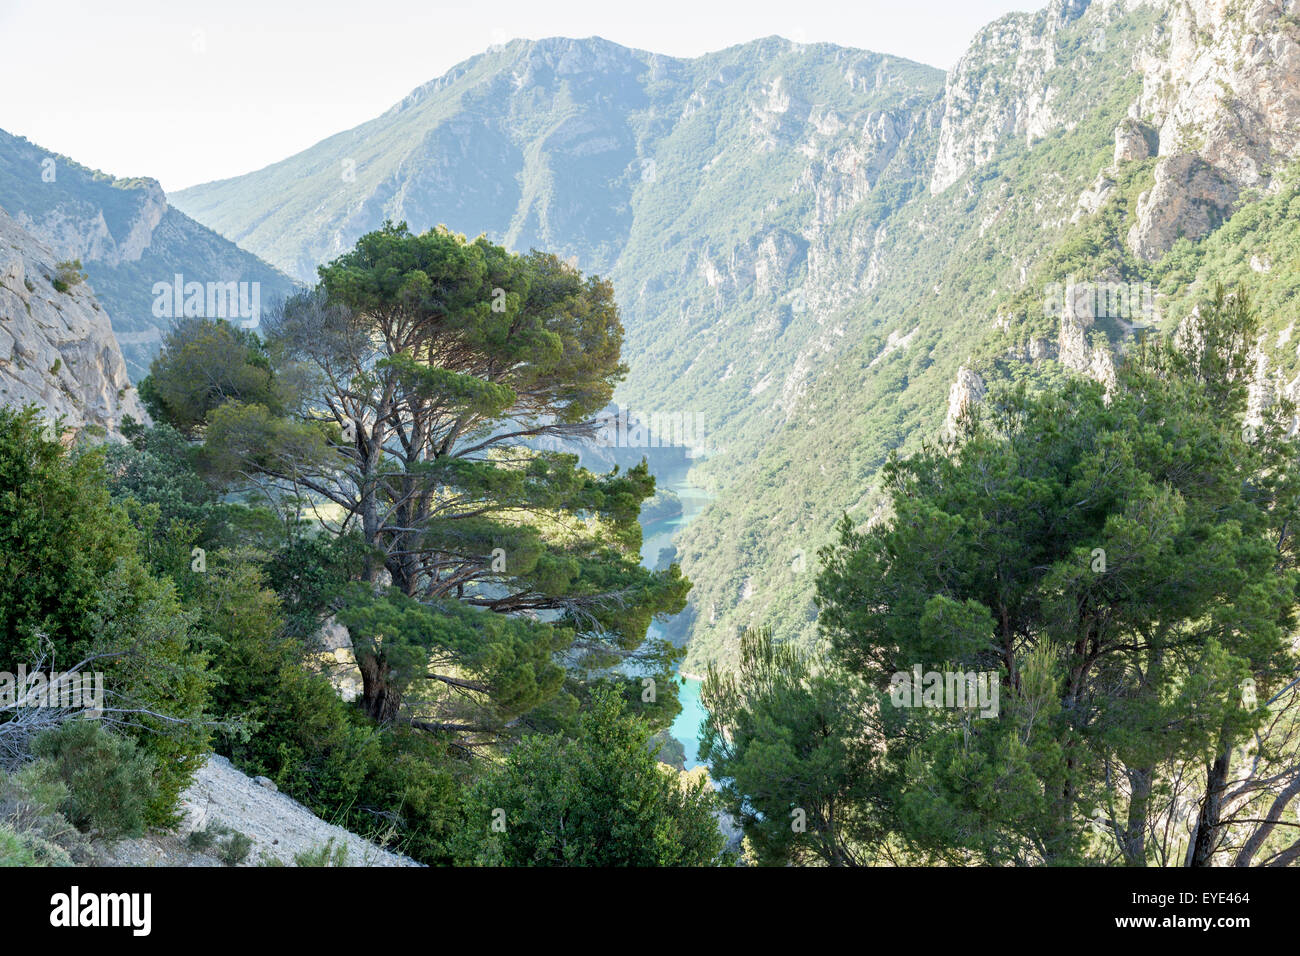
pixel 14 850
pixel 599 799
pixel 32 830
pixel 226 843
pixel 68 274
pixel 235 848
pixel 200 841
pixel 73 584
pixel 110 782
pixel 325 855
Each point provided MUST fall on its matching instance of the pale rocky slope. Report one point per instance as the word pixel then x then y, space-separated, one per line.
pixel 280 828
pixel 1219 104
pixel 1221 86
pixel 57 349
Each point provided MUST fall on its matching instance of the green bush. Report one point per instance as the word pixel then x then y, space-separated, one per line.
pixel 75 584
pixel 68 274
pixel 32 830
pixel 235 848
pixel 200 841
pixel 599 799
pixel 14 851
pixel 226 843
pixel 110 782
pixel 325 855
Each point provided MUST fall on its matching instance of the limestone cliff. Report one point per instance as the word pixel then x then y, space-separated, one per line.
pixel 1221 84
pixel 56 347
pixel 1219 104
pixel 127 236
pixel 1000 89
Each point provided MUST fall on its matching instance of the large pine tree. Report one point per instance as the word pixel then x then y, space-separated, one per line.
pixel 420 391
pixel 1122 564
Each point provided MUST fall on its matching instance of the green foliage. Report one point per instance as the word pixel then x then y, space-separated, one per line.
pixel 235 848
pixel 155 479
pixel 421 365
pixel 230 845
pixel 787 739
pixel 200 841
pixel 598 799
pixel 75 586
pixel 411 796
pixel 324 855
pixel 67 274
pixel 110 782
pixel 1121 564
pixel 285 721
pixel 33 830
pixel 60 538
pixel 511 659
pixel 206 363
pixel 309 572
pixel 571 538
pixel 13 850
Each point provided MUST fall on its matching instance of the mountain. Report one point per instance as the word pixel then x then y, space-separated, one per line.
pixel 827 253
pixel 127 237
pixel 571 146
pixel 56 347
pixel 1098 166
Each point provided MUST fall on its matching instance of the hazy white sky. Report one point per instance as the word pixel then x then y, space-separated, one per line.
pixel 188 91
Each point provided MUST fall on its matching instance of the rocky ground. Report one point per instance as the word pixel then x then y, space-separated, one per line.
pixel 278 826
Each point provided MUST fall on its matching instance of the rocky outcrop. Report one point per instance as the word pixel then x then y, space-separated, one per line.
pixel 843 172
pixel 56 347
pixel 1073 351
pixel 127 237
pixel 1188 199
pixel 896 342
pixel 280 830
pixel 336 659
pixel 78 229
pixel 1221 86
pixel 1094 197
pixel 967 391
pixel 1134 141
pixel 1220 102
pixel 1000 89
pixel 764 262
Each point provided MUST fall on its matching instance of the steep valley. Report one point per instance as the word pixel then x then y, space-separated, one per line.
pixel 820 250
pixel 787 455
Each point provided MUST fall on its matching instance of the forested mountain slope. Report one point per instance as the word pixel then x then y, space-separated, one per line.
pixel 823 250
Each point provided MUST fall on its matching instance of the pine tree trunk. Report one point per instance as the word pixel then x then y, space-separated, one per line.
pixel 1207 824
pixel 1135 828
pixel 380 697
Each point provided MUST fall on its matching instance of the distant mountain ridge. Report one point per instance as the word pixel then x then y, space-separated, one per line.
pixel 127 236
